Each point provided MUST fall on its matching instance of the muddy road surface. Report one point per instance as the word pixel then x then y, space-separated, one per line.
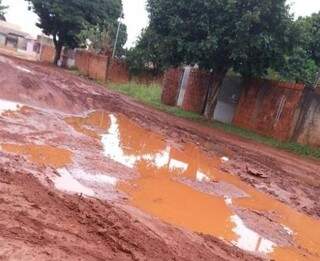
pixel 88 174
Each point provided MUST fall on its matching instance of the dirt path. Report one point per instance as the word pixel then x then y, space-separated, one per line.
pixel 88 174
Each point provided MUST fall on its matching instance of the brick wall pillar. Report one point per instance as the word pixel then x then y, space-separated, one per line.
pixel 196 91
pixel 171 86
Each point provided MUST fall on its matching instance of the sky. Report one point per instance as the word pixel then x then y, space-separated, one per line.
pixel 136 17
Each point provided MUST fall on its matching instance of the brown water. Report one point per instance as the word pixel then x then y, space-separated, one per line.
pixel 184 186
pixel 91 124
pixel 41 154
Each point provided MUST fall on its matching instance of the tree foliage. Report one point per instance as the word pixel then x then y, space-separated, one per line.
pixel 303 64
pixel 311 27
pixel 249 36
pixel 64 20
pixel 101 38
pixel 2 11
pixel 146 56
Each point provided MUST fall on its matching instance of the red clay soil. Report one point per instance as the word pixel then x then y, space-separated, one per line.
pixel 38 222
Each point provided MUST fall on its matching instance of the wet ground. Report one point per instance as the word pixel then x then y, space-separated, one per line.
pixel 86 174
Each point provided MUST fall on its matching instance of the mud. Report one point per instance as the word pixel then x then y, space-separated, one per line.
pixel 87 174
pixel 185 187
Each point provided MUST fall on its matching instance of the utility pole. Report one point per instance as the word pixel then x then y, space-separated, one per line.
pixel 317 81
pixel 117 36
pixel 110 62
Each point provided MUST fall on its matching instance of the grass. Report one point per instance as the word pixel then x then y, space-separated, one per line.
pixel 151 95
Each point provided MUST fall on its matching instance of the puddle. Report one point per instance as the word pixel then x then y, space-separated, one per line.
pixel 23 69
pixel 91 125
pixel 6 106
pixel 186 188
pixel 66 182
pixel 77 181
pixel 250 240
pixel 41 154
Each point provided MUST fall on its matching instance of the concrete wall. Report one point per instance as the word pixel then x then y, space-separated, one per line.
pixel 228 99
pixel 171 85
pixel 2 40
pixel 68 58
pixel 307 130
pixel 268 107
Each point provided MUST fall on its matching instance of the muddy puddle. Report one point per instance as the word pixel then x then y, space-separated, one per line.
pixel 41 154
pixel 184 186
pixel 181 185
pixel 94 124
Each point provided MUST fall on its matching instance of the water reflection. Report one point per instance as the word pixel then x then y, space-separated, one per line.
pixel 250 240
pixel 9 106
pixel 229 226
pixel 185 187
pixel 66 182
pixel 71 181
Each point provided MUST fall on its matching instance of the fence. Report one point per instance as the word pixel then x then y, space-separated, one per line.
pixel 285 111
pixel 94 66
pixel 100 67
pixel 268 107
pixel 307 129
pixel 47 54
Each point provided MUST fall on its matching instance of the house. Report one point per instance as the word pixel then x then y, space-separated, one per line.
pixel 12 37
pixel 14 41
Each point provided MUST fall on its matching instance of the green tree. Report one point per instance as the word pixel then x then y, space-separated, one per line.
pixel 310 25
pixel 299 67
pixel 303 64
pixel 64 20
pixel 2 11
pixel 101 38
pixel 248 36
pixel 146 56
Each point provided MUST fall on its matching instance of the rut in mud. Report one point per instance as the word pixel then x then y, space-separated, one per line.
pixel 88 174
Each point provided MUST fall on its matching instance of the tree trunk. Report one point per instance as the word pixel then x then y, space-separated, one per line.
pixel 213 93
pixel 58 46
pixel 57 56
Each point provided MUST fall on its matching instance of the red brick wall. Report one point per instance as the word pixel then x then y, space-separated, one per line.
pixel 170 86
pixel 82 62
pixel 47 54
pixel 259 104
pixel 118 72
pixel 98 67
pixel 92 65
pixel 196 91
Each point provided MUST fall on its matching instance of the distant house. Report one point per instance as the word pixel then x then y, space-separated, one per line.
pixel 11 36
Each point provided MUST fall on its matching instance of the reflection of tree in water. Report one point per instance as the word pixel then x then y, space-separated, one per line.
pixel 160 193
pixel 136 140
pixel 136 143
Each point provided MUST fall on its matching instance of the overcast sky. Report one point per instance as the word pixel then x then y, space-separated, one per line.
pixel 135 13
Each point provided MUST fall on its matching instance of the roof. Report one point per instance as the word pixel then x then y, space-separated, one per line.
pixel 8 28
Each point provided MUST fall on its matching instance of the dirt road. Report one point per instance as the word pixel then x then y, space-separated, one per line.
pixel 88 174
